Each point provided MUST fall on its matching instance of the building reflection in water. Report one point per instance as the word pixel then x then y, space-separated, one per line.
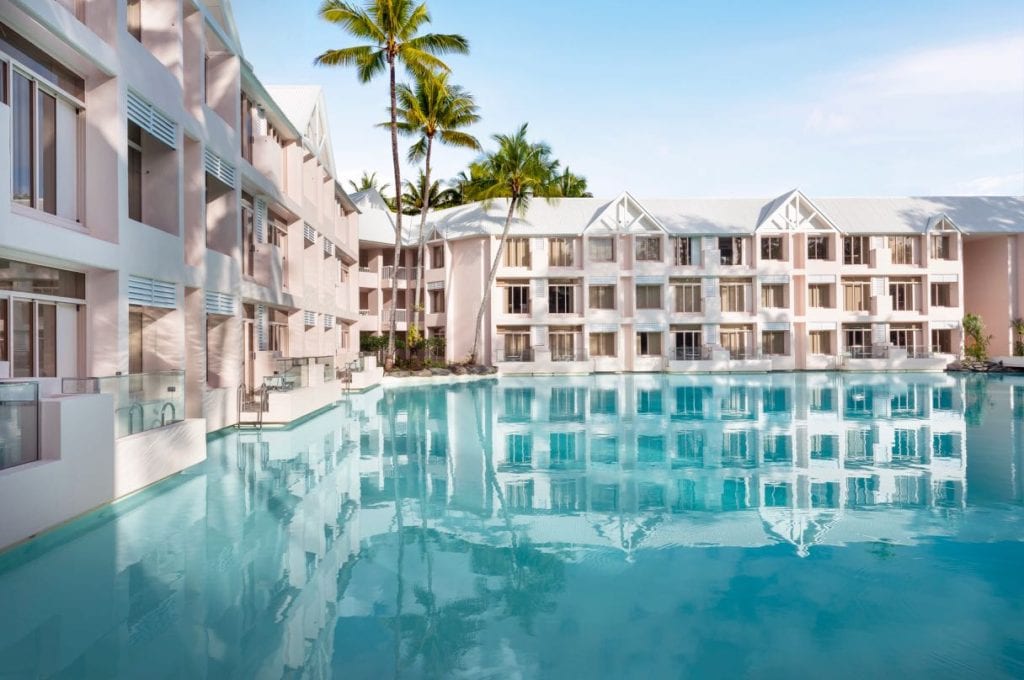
pixel 405 530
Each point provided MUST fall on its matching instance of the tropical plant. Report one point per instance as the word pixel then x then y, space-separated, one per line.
pixel 974 329
pixel 367 181
pixel 392 29
pixel 1018 337
pixel 439 197
pixel 517 171
pixel 463 184
pixel 571 185
pixel 433 111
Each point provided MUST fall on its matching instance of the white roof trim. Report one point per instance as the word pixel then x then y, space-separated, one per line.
pixel 609 219
pixel 793 197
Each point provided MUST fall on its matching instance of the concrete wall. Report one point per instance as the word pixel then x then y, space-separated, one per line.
pixel 988 268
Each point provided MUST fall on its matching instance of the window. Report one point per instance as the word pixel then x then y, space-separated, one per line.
pixel 857 337
pixel 736 341
pixel 248 127
pixel 688 297
pixel 134 23
pixel 903 249
pixel 517 299
pixel 771 248
pixel 650 449
pixel 856 296
pixel 135 173
pixel 773 295
pixel 22 277
pixel 824 446
pixel 3 330
pixel 602 297
pixel 604 402
pixel 518 402
pixel 517 252
pixel 689 344
pixel 823 400
pixel 683 251
pixel 942 340
pixel 776 448
pixel 689 449
pixel 773 343
pixel 601 249
pixel 519 449
pixel 734 296
pixel 566 403
pixel 560 252
pixel 648 344
pixel 563 448
pixel 819 295
pixel 519 495
pixel 563 344
pixel 730 250
pixel 648 297
pixel 907 337
pixel 436 301
pixel 648 248
pixel 602 344
pixel 856 250
pixel 904 294
pixel 436 257
pixel 516 344
pixel 821 342
pixel 561 298
pixel 942 247
pixel 817 248
pixel 943 295
pixel 649 402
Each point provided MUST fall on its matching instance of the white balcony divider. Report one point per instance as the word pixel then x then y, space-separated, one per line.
pixel 219 168
pixel 143 114
pixel 152 293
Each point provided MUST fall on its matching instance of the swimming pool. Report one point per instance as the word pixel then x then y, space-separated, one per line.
pixel 608 526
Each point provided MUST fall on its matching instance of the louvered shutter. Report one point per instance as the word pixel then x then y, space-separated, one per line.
pixel 260 220
pixel 224 304
pixel 261 328
pixel 152 121
pixel 219 168
pixel 152 293
pixel 309 318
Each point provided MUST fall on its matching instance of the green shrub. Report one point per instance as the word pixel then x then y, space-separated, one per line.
pixel 976 344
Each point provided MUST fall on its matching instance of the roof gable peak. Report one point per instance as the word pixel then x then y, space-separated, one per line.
pixel 793 211
pixel 625 214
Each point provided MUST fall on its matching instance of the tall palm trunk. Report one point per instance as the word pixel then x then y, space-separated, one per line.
pixel 490 279
pixel 389 359
pixel 420 295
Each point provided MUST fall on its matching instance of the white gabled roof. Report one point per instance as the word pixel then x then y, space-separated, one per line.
pixel 625 214
pixel 793 210
pixel 712 216
pixel 305 107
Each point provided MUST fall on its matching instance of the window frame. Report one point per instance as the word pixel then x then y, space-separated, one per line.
pixel 643 253
pixel 769 246
pixel 600 291
pixel 600 241
pixel 645 289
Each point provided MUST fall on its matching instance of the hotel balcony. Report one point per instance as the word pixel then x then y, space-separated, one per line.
pixel 297 387
pixel 884 357
pixel 714 359
pixel 369 278
pixel 540 360
pixel 270 267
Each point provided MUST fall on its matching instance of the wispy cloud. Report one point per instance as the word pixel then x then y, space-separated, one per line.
pixel 995 185
pixel 922 90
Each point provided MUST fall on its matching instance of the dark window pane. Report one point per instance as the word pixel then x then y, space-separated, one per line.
pixel 21 170
pixel 46 138
pixel 33 278
pixel 22 361
pixel 46 333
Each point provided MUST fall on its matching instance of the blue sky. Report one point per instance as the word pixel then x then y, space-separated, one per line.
pixel 672 99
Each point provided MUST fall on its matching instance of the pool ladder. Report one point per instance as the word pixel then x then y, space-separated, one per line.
pixel 260 399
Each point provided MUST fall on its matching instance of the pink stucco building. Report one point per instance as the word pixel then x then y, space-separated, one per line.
pixel 692 285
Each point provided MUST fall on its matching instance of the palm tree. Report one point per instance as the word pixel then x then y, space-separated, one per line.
pixel 438 198
pixel 571 185
pixel 518 171
pixel 392 29
pixel 368 181
pixel 464 183
pixel 433 110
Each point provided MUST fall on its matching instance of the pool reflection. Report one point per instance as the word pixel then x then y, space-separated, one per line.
pixel 544 526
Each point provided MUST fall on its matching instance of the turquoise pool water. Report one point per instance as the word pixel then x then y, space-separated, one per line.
pixel 801 525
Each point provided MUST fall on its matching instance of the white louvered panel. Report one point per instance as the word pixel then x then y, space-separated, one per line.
pixel 944 278
pixel 821 278
pixel 260 220
pixel 820 326
pixel 878 286
pixel 220 303
pixel 880 333
pixel 328 247
pixel 435 285
pixel 309 233
pixel 650 280
pixel 328 321
pixel 152 293
pixel 774 278
pixel 649 327
pixel 601 280
pixel 945 325
pixel 710 287
pixel 261 328
pixel 604 328
pixel 152 121
pixel 775 326
pixel 219 168
pixel 540 288
pixel 710 333
pixel 309 318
